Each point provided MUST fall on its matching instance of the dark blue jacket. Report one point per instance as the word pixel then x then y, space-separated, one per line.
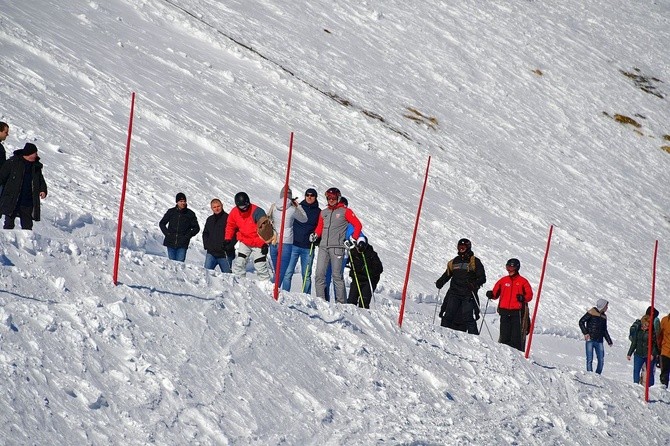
pixel 178 226
pixel 594 324
pixel 302 231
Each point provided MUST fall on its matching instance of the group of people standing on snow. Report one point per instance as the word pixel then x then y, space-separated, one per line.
pixel 22 184
pixel 460 308
pixel 460 311
pixel 249 233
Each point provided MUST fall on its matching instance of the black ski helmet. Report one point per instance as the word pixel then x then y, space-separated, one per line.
pixel 242 200
pixel 514 263
pixel 464 242
pixel 333 191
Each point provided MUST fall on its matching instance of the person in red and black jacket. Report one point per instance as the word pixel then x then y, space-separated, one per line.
pixel 242 223
pixel 514 293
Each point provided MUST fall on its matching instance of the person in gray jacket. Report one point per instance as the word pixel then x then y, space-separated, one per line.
pixel 293 212
pixel 329 235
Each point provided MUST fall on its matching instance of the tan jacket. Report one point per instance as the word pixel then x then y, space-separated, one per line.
pixel 664 336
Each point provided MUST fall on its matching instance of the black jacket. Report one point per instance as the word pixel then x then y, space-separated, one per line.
pixel 11 177
pixel 214 234
pixel 463 281
pixel 357 264
pixel 179 226
pixel 594 324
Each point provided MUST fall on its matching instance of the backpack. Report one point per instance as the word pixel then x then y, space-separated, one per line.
pixel 471 265
pixel 266 230
pixel 633 330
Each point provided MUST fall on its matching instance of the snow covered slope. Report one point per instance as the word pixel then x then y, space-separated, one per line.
pixel 516 104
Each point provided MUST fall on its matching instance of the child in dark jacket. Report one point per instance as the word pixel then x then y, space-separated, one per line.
pixel 365 271
pixel 594 327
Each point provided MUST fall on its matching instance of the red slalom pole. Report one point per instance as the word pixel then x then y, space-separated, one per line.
pixel 119 225
pixel 651 325
pixel 411 248
pixel 283 219
pixel 539 291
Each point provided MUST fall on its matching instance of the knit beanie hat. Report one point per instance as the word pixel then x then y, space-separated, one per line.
pixel 601 304
pixel 180 196
pixel 312 191
pixel 29 149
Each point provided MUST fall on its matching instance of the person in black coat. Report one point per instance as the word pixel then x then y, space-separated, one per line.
pixel 179 225
pixel 4 132
pixel 365 269
pixel 23 187
pixel 460 307
pixel 594 328
pixel 213 239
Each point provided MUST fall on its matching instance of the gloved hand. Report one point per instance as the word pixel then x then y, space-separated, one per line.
pixel 313 238
pixel 489 294
pixel 439 283
pixel 264 249
pixel 520 298
pixel 348 244
pixel 228 245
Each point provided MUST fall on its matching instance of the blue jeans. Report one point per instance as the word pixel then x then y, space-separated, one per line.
pixel 638 361
pixel 305 268
pixel 223 262
pixel 178 254
pixel 286 251
pixel 599 348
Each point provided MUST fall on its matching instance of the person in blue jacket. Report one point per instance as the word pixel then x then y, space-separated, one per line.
pixel 302 247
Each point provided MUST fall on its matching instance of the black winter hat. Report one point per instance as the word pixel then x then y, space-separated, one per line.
pixel 29 149
pixel 180 196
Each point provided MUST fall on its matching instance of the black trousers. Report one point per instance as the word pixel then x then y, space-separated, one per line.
pixel 459 313
pixel 511 322
pixel 362 299
pixel 25 214
pixel 665 370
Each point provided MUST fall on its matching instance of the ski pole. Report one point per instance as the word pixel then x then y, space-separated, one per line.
pixel 484 316
pixel 358 285
pixel 437 302
pixel 309 265
pixel 367 271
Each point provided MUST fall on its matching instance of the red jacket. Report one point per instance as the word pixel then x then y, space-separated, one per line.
pixel 243 224
pixel 508 288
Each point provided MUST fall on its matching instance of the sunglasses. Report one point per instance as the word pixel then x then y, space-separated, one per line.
pixel 331 197
pixel 310 195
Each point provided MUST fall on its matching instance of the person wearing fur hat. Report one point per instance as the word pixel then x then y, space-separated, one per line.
pixel 294 212
pixel 23 187
pixel 179 225
pixel 594 328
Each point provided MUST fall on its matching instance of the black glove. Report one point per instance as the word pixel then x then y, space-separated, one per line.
pixel 520 298
pixel 264 249
pixel 439 283
pixel 228 245
pixel 489 294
